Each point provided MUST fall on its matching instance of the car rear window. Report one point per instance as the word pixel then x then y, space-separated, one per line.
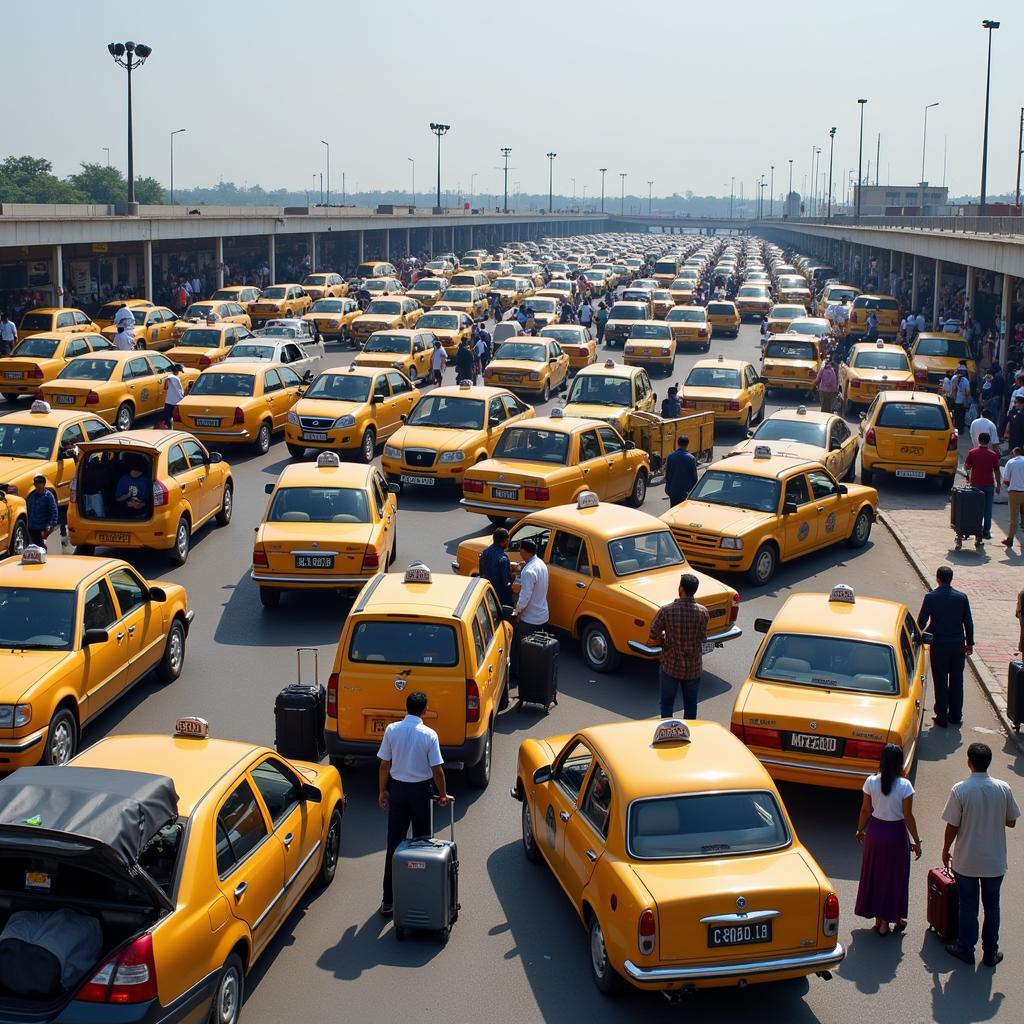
pixel 393 642
pixel 913 416
pixel 828 662
pixel 705 825
pixel 953 348
pixel 35 322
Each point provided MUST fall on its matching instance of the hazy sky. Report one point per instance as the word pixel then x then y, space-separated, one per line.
pixel 687 94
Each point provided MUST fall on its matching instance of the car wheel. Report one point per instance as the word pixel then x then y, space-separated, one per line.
pixel 598 650
pixel 945 481
pixel 19 538
pixel 479 774
pixel 227 1002
pixel 270 597
pixel 125 417
pixel 497 520
pixel 11 396
pixel 173 660
pixel 639 491
pixel 607 981
pixel 61 738
pixel 182 541
pixel 766 561
pixel 296 451
pixel 262 442
pixel 866 477
pixel 368 446
pixel 530 850
pixel 861 529
pixel 546 391
pixel 227 505
pixel 332 850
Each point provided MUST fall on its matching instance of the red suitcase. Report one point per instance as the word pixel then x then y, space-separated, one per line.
pixel 943 905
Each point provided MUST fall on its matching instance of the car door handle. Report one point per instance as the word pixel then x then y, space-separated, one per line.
pixel 821 508
pixel 288 839
pixel 581 585
pixel 917 703
pixel 564 815
pixel 120 637
pixel 241 889
pixel 591 856
pixel 131 630
pixel 586 469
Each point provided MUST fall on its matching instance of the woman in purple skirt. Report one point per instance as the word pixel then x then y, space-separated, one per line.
pixel 886 819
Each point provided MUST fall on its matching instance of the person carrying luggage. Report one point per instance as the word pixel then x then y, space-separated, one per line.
pixel 981 467
pixel 531 612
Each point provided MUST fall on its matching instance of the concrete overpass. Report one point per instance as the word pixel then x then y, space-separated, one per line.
pixel 664 224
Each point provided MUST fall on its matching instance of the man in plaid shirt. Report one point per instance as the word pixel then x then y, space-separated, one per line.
pixel 680 628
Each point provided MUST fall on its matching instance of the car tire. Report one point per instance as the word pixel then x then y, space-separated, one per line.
pixel 227 505
pixel 608 982
pixel 946 481
pixel 11 396
pixel 19 538
pixel 861 529
pixel 597 648
pixel 763 567
pixel 332 850
pixel 296 451
pixel 61 738
pixel 638 493
pixel 125 417
pixel 182 541
pixel 368 446
pixel 867 477
pixel 497 520
pixel 530 850
pixel 227 999
pixel 479 775
pixel 545 394
pixel 173 660
pixel 85 549
pixel 263 436
pixel 270 597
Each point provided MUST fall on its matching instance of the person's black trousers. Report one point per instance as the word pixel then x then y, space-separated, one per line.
pixel 948 680
pixel 409 805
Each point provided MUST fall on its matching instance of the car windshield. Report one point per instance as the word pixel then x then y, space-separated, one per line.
pixel 388 343
pixel 873 359
pixel 737 490
pixel 327 306
pixel 791 350
pixel 227 295
pixel 541 305
pixel 829 662
pixel 36 348
pixel 198 337
pixel 799 431
pixel 565 335
pixel 787 311
pixel 628 312
pixel 36 619
pixel 319 505
pixel 387 307
pixel 953 348
pixel 687 316
pixel 713 377
pixel 448 411
pixel 528 351
pixel 275 293
pixel 705 825
pixel 280 332
pixel 643 552
pixel 219 382
pixel 650 332
pixel 531 444
pixel 439 321
pixel 913 416
pixel 426 285
pixel 394 642
pixel 838 294
pixel 506 284
pixel 340 387
pixel 816 330
pixel 25 441
pixel 600 390
pixel 752 292
pixel 84 368
pixel 250 351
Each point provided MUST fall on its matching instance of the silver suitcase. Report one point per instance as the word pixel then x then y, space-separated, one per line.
pixel 425 876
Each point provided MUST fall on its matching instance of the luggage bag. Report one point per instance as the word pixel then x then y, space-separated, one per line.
pixel 425 874
pixel 943 905
pixel 967 511
pixel 538 670
pixel 300 713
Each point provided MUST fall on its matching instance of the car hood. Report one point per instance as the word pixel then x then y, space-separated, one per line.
pixel 515 366
pixel 701 515
pixel 12 469
pixel 440 439
pixel 590 411
pixel 21 670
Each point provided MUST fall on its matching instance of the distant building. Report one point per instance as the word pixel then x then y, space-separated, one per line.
pixel 792 205
pixel 920 200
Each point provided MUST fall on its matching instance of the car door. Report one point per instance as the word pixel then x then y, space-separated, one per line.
pixel 135 373
pixel 593 465
pixel 63 461
pixel 559 363
pixel 833 513
pixel 273 395
pixel 586 833
pixel 387 508
pixel 205 498
pixel 292 385
pixel 140 620
pixel 800 524
pixel 403 398
pixel 757 390
pixel 152 329
pixel 620 483
pixel 105 664
pixel 515 409
pixel 490 671
pixel 250 864
pixel 646 397
pixel 422 345
pixel 842 449
pixel 555 804
pixel 569 577
pixel 915 659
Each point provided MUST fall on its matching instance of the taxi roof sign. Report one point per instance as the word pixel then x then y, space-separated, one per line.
pixel 33 554
pixel 721 357
pixel 672 730
pixel 842 593
pixel 464 385
pixel 801 410
pixel 557 414
pixel 609 364
pixel 762 451
pixel 328 459
pixel 879 343
pixel 587 499
pixel 39 406
pixel 192 727
pixel 417 572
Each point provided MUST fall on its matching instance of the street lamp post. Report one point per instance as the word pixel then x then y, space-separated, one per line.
pixel 860 157
pixel 650 187
pixel 131 56
pixel 763 184
pixel 732 193
pixel 602 170
pixel 439 130
pixel 790 192
pixel 924 142
pixel 178 132
pixel 413 163
pixel 106 149
pixel 551 179
pixel 328 145
pixel 831 147
pixel 506 152
pixel 771 193
pixel 990 25
pixel 622 206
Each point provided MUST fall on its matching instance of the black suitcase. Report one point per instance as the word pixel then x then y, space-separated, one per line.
pixel 967 511
pixel 300 712
pixel 538 670
pixel 1015 694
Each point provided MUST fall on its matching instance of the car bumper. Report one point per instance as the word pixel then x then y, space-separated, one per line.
pixel 631 359
pixel 832 776
pixel 158 535
pixel 347 438
pixel 788 383
pixel 718 639
pixel 578 362
pixel 717 559
pixel 23 751
pixel 486 509
pixel 222 436
pixel 455 755
pixel 305 583
pixel 447 475
pixel 878 465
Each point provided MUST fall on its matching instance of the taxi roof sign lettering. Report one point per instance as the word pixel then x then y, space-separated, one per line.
pixel 672 730
pixel 762 451
pixel 418 573
pixel 587 499
pixel 557 414
pixel 39 406
pixel 842 593
pixel 328 459
pixel 609 364
pixel 32 554
pixel 192 727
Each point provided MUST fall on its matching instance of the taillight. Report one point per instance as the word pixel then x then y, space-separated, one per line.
pixel 869 435
pixel 371 560
pixel 473 486
pixel 204 362
pixel 921 376
pixel 92 398
pixel 472 701
pixel 864 749
pixel 176 414
pixel 35 373
pixel 239 416
pixel 332 695
pixel 129 976
pixel 735 609
pixel 756 737
pixel 734 407
pixel 159 493
pixel 854 383
pixel 954 442
pixel 536 493
pixel 259 558
pixel 830 919
pixel 646 932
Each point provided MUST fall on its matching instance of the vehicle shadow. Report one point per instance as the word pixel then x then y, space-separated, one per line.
pixel 826 829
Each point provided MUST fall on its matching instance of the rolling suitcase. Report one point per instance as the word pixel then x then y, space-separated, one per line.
pixel 538 670
pixel 967 511
pixel 943 905
pixel 425 884
pixel 300 712
pixel 1015 694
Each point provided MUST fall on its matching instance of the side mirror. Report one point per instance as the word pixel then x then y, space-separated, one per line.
pixel 542 775
pixel 789 508
pixel 762 625
pixel 157 594
pixel 927 638
pixel 268 488
pixel 394 489
pixel 311 794
pixel 630 445
pixel 507 611
pixel 378 399
pixel 750 433
pixel 95 636
pixel 215 458
pixel 843 489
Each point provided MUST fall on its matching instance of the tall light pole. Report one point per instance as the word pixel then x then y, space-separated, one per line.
pixel 506 152
pixel 924 142
pixel 831 147
pixel 551 179
pixel 328 145
pixel 790 192
pixel 131 56
pixel 763 184
pixel 573 180
pixel 178 132
pixel 602 170
pixel 815 164
pixel 413 163
pixel 771 193
pixel 650 187
pixel 860 157
pixel 439 130
pixel 472 186
pixel 622 206
pixel 990 25
pixel 1020 153
pixel 106 149
pixel 732 193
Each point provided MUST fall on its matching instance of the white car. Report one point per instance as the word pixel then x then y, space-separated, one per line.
pixel 303 357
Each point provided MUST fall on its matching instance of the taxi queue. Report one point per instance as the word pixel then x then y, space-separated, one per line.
pixel 630 811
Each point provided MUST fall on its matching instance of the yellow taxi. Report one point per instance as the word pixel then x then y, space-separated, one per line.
pixel 381 287
pixel 147 489
pixel 156 327
pixel 326 526
pixel 77 633
pixel 439 268
pixel 621 318
pixel 541 310
pixel 407 350
pixel 495 268
pixel 932 356
pixel 421 630
pixel 325 286
pixel 749 512
pixel 836 678
pixel 240 403
pixel 243 294
pixel 872 367
pixel 471 261
pixel 375 268
pixel 280 300
pixel 752 300
pixel 575 341
pixel 661 302
pixel 532 365
pixel 212 312
pixel 40 358
pixel 810 326
pixel 910 436
pixel 350 408
pixel 198 829
pixel 609 571
pixel 780 316
pixel 46 320
pixel 472 278
pixel 105 314
pixel 690 326
pixel 791 362
pixel 682 288
pixel 390 314
pixel 730 388
pixel 428 290
pixel 792 288
pixel 551 460
pixel 471 301
pixel 651 344
pixel 833 295
pixel 38 441
pixel 610 392
pixel 820 436
pixel 448 326
pixel 117 386
pixel 511 290
pixel 202 345
pixel 677 853
pixel 333 318
pixel 724 318
pixel 885 308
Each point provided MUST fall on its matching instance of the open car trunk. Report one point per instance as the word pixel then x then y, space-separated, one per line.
pixel 105 471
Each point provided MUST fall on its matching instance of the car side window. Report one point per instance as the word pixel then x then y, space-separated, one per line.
pixel 76 347
pixel 128 590
pixel 796 491
pixel 597 801
pixel 573 768
pixel 495 412
pixel 271 382
pixel 570 552
pixel 909 655
pixel 289 377
pixel 493 607
pixel 399 385
pixel 278 787
pixel 194 453
pixel 96 428
pixel 161 364
pixel 81 318
pixel 478 642
pixel 380 387
pixel 65 320
pixel 513 405
pixel 240 828
pixel 378 496
pixel 176 461
pixel 484 622
pixel 538 534
pixel 611 441
pixel 137 368
pixel 590 448
pixel 822 486
pixel 72 435
pixel 840 432
pixel 98 609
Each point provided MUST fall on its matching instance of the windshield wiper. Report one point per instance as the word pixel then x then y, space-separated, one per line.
pixel 17 645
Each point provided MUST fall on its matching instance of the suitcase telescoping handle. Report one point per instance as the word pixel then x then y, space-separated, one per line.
pixel 451 810
pixel 316 664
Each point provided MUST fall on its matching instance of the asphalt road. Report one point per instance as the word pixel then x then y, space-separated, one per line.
pixel 518 949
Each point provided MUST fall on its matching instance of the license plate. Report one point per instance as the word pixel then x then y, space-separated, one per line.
pixel 378 725
pixel 814 744
pixel 908 449
pixel 114 538
pixel 66 399
pixel 706 647
pixel 314 561
pixel 12 375
pixel 504 494
pixel 720 935
pixel 911 474
pixel 406 479
pixel 313 437
pixel 206 421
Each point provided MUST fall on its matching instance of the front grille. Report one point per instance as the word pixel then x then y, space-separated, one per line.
pixel 695 538
pixel 421 457
pixel 315 423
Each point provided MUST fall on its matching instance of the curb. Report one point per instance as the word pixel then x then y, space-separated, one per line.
pixel 982 673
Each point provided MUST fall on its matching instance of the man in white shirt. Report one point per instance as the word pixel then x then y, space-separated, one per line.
pixel 410 761
pixel 123 340
pixel 123 317
pixel 983 425
pixel 1018 389
pixel 8 335
pixel 438 361
pixel 531 612
pixel 961 400
pixel 1013 478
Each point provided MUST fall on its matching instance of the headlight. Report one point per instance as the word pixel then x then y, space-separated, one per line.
pixel 391 452
pixel 736 543
pixel 344 421
pixel 14 716
pixel 293 419
pixel 459 456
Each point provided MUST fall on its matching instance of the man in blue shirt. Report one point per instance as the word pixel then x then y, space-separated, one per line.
pixel 495 566
pixel 42 512
pixel 680 472
pixel 946 613
pixel 133 492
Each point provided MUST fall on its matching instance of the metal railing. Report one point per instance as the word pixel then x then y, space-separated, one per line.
pixel 956 225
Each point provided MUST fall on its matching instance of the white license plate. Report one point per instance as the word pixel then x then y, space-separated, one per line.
pixel 911 474
pixel 114 538
pixel 313 437
pixel 202 421
pixel 66 399
pixel 504 494
pixel 314 561
pixel 706 646
pixel 427 480
pixel 815 744
pixel 13 375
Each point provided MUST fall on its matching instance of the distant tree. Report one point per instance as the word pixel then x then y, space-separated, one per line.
pixel 100 183
pixel 29 179
pixel 149 191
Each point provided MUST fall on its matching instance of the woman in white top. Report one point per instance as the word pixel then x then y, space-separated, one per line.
pixel 886 821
